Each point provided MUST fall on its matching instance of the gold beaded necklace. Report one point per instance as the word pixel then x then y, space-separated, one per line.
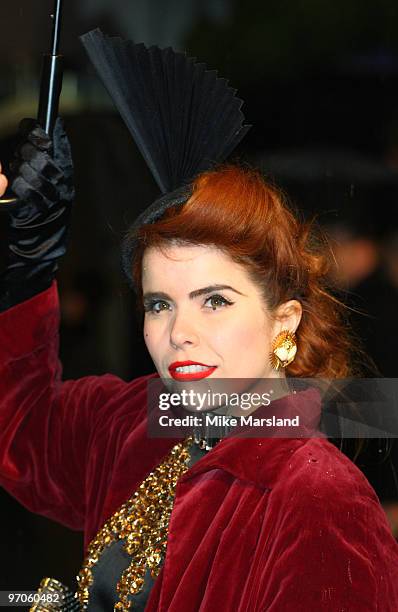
pixel 142 523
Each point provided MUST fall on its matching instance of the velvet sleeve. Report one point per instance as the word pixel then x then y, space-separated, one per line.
pixel 329 547
pixel 47 426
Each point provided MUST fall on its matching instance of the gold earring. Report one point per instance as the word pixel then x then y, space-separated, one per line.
pixel 284 349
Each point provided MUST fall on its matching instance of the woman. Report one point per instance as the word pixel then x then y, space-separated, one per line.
pixel 270 524
pixel 230 280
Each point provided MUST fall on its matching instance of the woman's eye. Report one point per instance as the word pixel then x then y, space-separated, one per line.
pixel 156 306
pixel 217 301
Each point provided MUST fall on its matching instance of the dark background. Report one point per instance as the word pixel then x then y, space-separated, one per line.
pixel 320 83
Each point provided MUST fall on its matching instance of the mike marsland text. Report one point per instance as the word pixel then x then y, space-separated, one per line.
pixel 217 420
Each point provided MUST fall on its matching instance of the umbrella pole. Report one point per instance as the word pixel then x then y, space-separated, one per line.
pixel 50 83
pixel 51 77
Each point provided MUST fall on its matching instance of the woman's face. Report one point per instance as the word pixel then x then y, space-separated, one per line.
pixel 202 308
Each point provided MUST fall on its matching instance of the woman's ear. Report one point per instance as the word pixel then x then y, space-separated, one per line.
pixel 287 316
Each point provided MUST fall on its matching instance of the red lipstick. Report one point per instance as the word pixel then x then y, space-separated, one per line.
pixel 186 376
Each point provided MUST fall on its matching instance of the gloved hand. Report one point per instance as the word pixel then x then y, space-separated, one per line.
pixel 42 179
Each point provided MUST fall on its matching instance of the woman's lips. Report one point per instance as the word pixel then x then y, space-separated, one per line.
pixel 204 371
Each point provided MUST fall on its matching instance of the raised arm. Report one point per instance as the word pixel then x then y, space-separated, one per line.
pixel 46 425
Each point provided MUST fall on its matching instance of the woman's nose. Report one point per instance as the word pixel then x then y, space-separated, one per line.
pixel 183 331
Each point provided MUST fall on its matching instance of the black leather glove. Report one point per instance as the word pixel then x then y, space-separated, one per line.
pixel 42 179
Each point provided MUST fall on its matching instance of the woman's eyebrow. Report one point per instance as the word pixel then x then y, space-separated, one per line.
pixel 155 295
pixel 210 288
pixel 160 295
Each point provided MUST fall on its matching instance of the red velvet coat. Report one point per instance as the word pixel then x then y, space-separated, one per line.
pixel 272 524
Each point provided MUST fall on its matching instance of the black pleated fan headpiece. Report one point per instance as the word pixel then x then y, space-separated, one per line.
pixel 183 117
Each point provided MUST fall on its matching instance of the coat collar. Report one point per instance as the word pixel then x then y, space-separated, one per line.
pixel 260 460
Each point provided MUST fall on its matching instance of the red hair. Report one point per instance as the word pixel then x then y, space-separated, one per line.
pixel 234 209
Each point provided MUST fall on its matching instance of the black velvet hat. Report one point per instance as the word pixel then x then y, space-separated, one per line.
pixel 183 117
